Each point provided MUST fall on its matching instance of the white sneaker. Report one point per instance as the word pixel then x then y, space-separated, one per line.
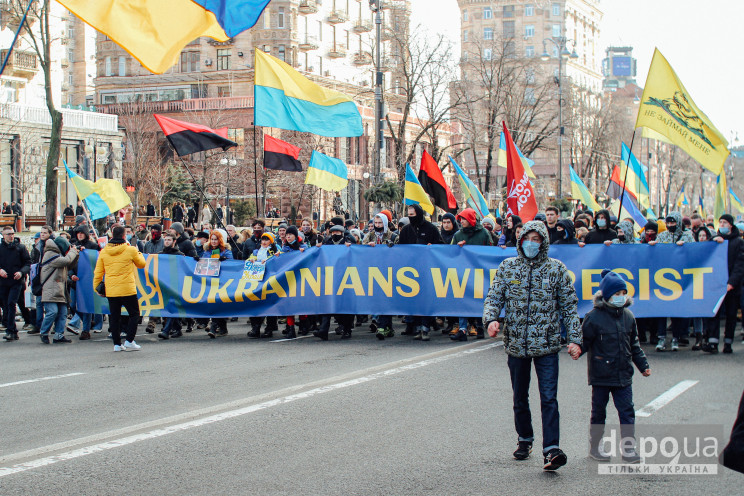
pixel 118 347
pixel 133 346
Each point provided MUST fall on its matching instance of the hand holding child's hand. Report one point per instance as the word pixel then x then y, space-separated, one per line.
pixel 574 350
pixel 646 372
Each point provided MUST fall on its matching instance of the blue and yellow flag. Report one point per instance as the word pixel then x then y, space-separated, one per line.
pixel 414 193
pixel 579 191
pixel 235 16
pixel 682 198
pixel 473 195
pixel 719 206
pixel 667 108
pixel 154 32
pixel 702 208
pixel 502 161
pixel 327 172
pixel 103 197
pixel 735 202
pixel 286 99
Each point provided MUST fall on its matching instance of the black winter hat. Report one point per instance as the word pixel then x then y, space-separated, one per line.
pixel 728 218
pixel 337 221
pixel 293 230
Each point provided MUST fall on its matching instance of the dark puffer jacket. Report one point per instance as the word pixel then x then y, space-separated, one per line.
pixel 679 234
pixel 611 340
pixel 535 295
pixel 735 257
pixel 627 228
pixel 568 236
pixel 420 231
pixel 598 236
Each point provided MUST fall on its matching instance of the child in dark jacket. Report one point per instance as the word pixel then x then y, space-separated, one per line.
pixel 611 340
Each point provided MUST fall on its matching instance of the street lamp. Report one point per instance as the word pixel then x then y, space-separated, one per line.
pixel 229 163
pixel 376 7
pixel 560 44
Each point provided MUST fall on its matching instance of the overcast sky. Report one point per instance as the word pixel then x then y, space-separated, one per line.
pixel 703 41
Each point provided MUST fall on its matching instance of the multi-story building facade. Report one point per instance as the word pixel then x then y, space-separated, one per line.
pixel 91 141
pixel 538 32
pixel 331 42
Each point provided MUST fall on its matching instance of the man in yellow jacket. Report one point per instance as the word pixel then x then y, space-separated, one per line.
pixel 118 262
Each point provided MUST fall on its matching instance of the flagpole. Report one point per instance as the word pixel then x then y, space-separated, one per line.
pixel 204 197
pixel 627 167
pixel 255 171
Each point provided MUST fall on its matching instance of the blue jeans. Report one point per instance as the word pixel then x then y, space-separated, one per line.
pixel 623 399
pixel 39 312
pixel 546 368
pixel 54 313
pixel 97 322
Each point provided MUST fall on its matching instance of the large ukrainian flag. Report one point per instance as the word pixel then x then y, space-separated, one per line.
pixel 414 193
pixel 103 197
pixel 286 99
pixel 327 172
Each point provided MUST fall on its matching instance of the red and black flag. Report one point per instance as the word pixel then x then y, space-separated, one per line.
pixel 187 138
pixel 280 155
pixel 432 180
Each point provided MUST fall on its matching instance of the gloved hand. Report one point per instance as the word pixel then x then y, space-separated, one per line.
pixel 222 258
pixel 197 258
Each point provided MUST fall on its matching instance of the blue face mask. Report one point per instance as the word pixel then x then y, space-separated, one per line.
pixel 129 237
pixel 530 248
pixel 617 300
pixel 198 242
pixel 724 230
pixel 601 223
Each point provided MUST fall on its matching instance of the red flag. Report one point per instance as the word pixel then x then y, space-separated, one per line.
pixel 280 155
pixel 520 197
pixel 187 138
pixel 432 180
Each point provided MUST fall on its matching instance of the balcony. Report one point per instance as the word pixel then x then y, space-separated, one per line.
pixel 362 58
pixel 308 7
pixel 337 17
pixel 337 52
pixel 190 104
pixel 78 119
pixel 309 43
pixel 224 103
pixel 361 26
pixel 20 64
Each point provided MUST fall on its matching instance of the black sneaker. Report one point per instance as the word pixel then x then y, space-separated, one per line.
pixel 61 340
pixel 459 336
pixel 291 333
pixel 45 339
pixel 595 454
pixel 254 334
pixel 268 333
pixel 323 335
pixel 35 330
pixel 211 334
pixel 346 334
pixel 632 458
pixel 176 334
pixel 727 348
pixel 524 448
pixel 711 348
pixel 554 459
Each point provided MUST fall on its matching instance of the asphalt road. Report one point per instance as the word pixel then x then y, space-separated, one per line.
pixel 239 416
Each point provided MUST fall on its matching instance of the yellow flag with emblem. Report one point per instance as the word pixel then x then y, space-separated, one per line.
pixel 667 108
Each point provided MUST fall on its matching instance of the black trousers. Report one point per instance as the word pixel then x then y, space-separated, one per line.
pixel 132 306
pixel 729 308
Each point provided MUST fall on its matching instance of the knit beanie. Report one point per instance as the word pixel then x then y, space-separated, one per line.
pixel 178 227
pixel 293 230
pixel 611 283
pixel 62 244
pixel 728 218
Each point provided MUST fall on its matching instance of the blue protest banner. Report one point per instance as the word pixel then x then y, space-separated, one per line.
pixel 664 280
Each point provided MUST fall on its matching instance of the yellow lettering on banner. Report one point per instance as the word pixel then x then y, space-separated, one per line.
pixel 629 277
pixel 329 281
pixel 667 284
pixel 441 287
pixel 291 283
pixel 245 290
pixel 276 288
pixel 587 285
pixel 408 282
pixel 572 276
pixel 312 282
pixel 186 291
pixel 697 274
pixel 478 283
pixel 491 274
pixel 385 284
pixel 216 290
pixel 644 284
pixel 351 280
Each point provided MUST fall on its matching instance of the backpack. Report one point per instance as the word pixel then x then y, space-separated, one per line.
pixel 37 285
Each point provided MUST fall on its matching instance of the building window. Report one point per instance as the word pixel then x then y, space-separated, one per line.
pixel 487 13
pixel 267 48
pixel 487 33
pixel 122 66
pixel 529 10
pixel 282 53
pixel 529 75
pixel 320 30
pixel 223 91
pixel 529 51
pixel 487 54
pixel 508 11
pixel 508 29
pixel 266 19
pixel 108 66
pixel 510 49
pixel 465 35
pixel 223 59
pixel 70 79
pixel 280 18
pixel 556 9
pixel 529 31
pixel 189 61
pixel 556 30
pixel 464 16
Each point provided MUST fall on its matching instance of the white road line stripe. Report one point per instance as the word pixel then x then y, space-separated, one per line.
pixel 665 398
pixel 292 339
pixel 153 434
pixel 40 379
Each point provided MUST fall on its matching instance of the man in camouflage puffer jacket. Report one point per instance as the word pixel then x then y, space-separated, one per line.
pixel 536 293
pixel 676 232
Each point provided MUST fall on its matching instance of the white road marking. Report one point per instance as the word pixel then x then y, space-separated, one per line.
pixel 292 339
pixel 665 398
pixel 156 433
pixel 40 379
